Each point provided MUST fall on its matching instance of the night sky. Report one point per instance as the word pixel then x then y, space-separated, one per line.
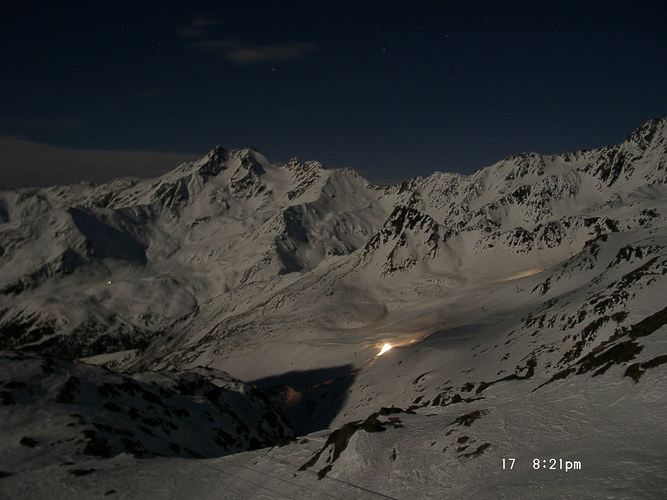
pixel 94 90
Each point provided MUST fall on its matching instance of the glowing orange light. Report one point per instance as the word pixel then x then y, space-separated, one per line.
pixel 384 349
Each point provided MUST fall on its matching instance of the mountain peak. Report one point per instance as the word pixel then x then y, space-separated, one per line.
pixel 216 152
pixel 294 165
pixel 213 163
pixel 644 135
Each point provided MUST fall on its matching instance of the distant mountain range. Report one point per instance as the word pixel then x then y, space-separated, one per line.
pixel 88 270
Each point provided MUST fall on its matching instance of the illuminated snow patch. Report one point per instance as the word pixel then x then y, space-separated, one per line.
pixel 384 349
pixel 522 274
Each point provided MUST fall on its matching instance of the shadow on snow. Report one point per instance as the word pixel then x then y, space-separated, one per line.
pixel 310 399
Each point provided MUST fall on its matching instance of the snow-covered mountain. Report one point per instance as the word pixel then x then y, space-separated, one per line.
pixel 525 304
pixel 134 259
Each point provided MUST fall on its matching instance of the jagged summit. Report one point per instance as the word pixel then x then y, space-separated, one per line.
pixel 213 162
pixel 653 130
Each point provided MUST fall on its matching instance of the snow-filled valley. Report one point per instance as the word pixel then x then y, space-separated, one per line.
pixel 216 332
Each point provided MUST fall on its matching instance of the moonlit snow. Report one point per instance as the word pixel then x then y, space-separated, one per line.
pixel 242 329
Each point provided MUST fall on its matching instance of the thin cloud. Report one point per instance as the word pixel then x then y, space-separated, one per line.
pixel 243 54
pixel 271 53
pixel 28 163
pixel 197 27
